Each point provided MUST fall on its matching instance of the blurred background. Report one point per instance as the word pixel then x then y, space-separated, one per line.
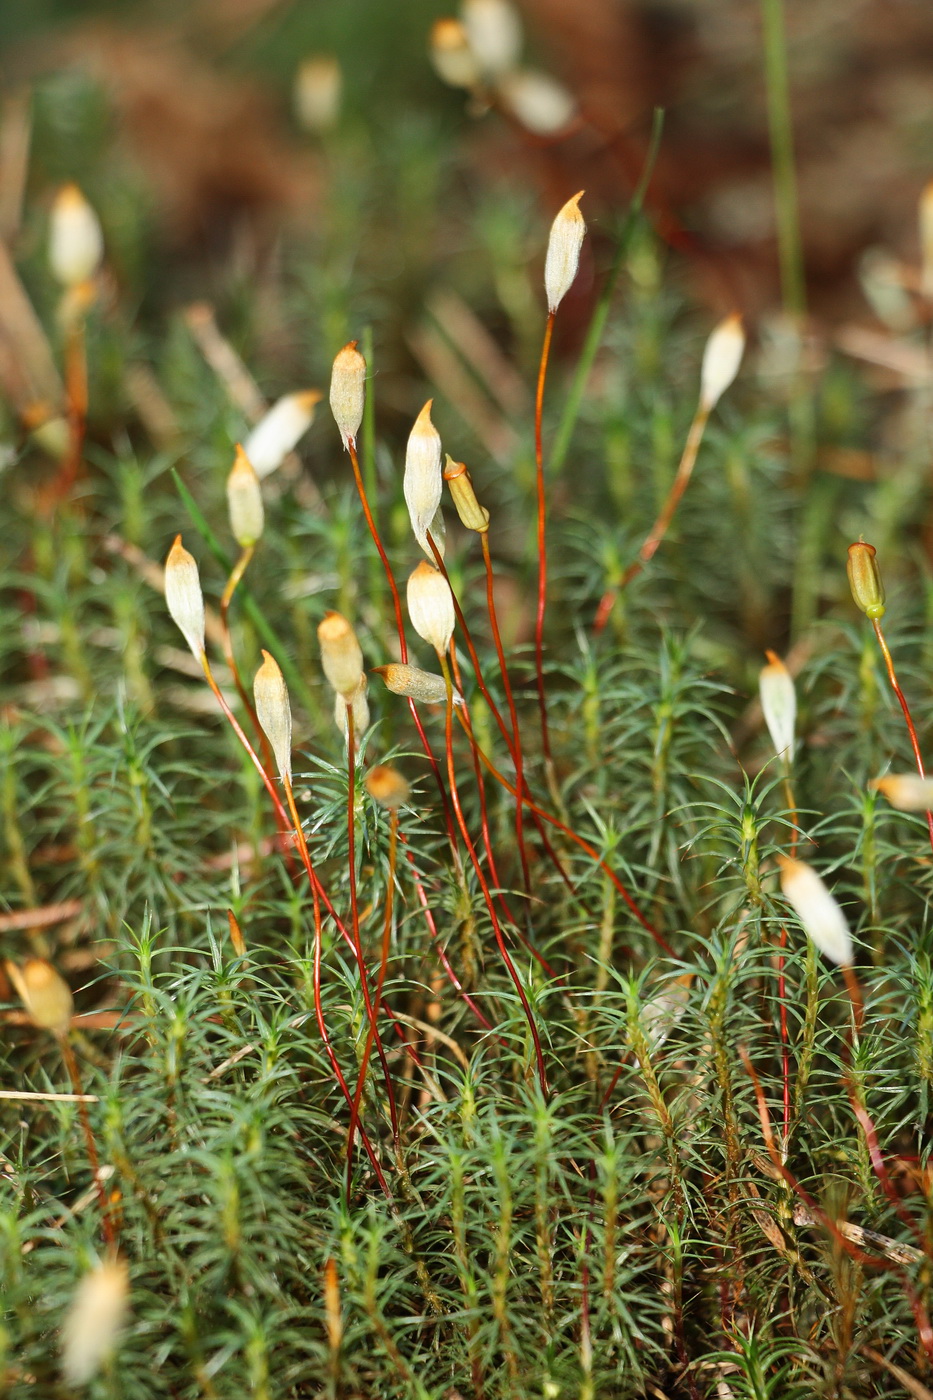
pixel 181 120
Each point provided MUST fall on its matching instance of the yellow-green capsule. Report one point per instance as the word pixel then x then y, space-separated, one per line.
pixel 472 515
pixel 865 579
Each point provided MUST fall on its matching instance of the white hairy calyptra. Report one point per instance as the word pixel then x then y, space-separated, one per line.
pixel 244 501
pixel 431 606
pixel 317 92
pixel 453 59
pixel 184 597
pixel 778 705
pixel 76 242
pixel 348 392
pixel 721 360
pixel 816 908
pixel 494 32
pixel 563 251
pixel 94 1319
pixel 416 684
pixel 424 479
pixel 341 656
pixel 279 430
pixel 906 791
pixel 538 101
pixel 274 712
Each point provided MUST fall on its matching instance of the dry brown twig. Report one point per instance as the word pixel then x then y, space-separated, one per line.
pixel 42 917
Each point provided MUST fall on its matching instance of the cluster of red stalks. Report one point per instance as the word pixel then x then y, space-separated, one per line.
pixel 509 931
pixel 475 850
pixel 469 849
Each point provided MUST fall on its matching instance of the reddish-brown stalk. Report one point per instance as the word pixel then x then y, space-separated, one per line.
pixel 855 997
pixel 483 808
pixel 542 539
pixel 317 889
pixel 316 886
pixel 902 701
pixel 268 760
pixel 403 649
pixel 377 541
pixel 471 851
pixel 864 1118
pixel 295 823
pixel 510 701
pixel 290 821
pixel 377 999
pixel 495 711
pixel 880 1169
pixel 237 728
pixel 584 846
pixel 612 1084
pixel 316 982
pixel 357 940
pixel 436 939
pixel 239 569
pixel 74 1074
pixel 471 649
pixel 865 1261
pixel 76 400
pixel 464 716
pixel 347 938
pixel 666 514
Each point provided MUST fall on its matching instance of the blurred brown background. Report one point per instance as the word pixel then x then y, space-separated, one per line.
pixel 861 75
pixel 199 95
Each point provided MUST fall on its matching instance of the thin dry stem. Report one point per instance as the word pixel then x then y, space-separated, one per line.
pixel 584 846
pixel 542 538
pixel 239 569
pixel 510 701
pixel 358 945
pixel 316 986
pixel 514 752
pixel 662 524
pixel 866 1261
pixel 107 1222
pixel 436 939
pixel 902 701
pixel 471 851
